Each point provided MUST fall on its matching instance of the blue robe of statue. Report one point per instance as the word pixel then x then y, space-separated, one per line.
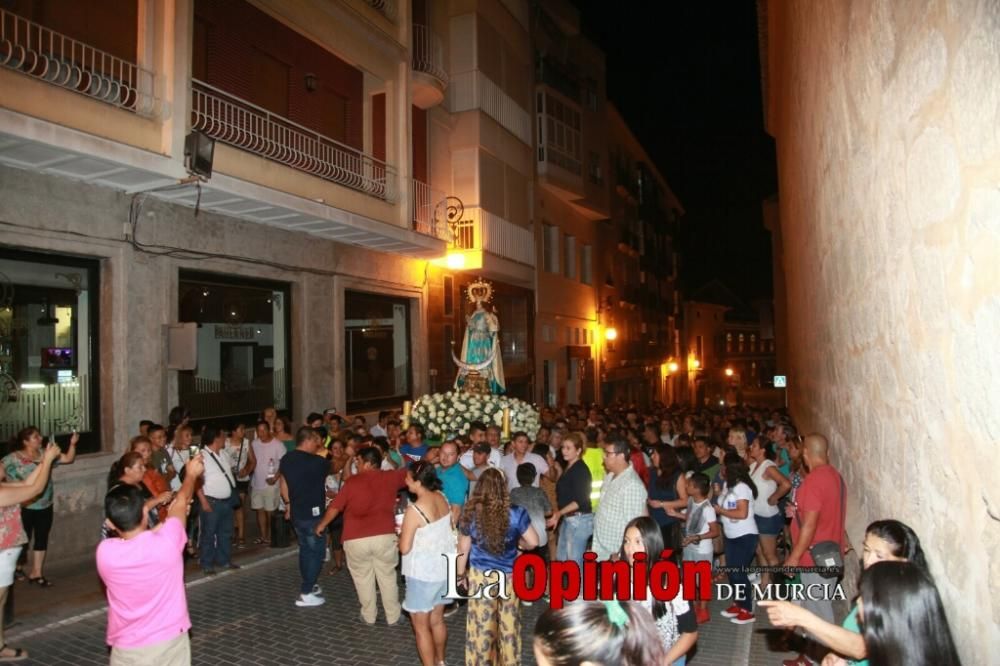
pixel 481 337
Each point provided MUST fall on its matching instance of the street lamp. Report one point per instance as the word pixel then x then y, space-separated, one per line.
pixel 729 372
pixel 611 334
pixel 673 367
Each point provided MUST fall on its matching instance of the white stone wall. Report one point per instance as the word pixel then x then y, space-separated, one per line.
pixel 886 116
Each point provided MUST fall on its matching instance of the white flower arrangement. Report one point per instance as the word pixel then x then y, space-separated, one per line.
pixel 449 414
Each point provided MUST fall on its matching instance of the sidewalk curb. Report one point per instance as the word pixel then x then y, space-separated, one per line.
pixel 200 580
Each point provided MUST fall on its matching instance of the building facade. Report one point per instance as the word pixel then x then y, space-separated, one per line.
pixel 639 303
pixel 571 197
pixel 299 263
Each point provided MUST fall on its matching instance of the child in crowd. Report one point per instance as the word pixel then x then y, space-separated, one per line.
pixel 701 526
pixel 537 504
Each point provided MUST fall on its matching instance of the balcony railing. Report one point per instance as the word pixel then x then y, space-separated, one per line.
pixel 475 90
pixel 423 201
pixel 32 49
pixel 386 8
pixel 428 53
pixel 239 123
pixel 483 230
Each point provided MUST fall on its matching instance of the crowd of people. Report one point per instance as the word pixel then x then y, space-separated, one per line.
pixel 734 488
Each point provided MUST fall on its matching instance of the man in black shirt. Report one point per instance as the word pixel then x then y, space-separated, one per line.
pixel 303 487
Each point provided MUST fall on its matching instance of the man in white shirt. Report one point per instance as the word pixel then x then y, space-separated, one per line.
pixel 477 435
pixel 379 429
pixel 264 489
pixel 519 454
pixel 215 496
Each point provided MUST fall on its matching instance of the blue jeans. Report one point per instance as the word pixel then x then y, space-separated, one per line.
pixel 739 553
pixel 312 550
pixel 574 533
pixel 216 534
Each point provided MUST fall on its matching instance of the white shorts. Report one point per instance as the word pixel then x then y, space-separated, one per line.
pixel 265 498
pixel 8 562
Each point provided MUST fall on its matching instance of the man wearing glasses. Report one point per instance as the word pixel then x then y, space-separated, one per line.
pixel 623 497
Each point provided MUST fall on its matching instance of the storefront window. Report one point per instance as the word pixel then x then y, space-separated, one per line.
pixel 48 346
pixel 377 350
pixel 243 351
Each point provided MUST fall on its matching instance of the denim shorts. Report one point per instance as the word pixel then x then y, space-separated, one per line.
pixel 770 525
pixel 422 596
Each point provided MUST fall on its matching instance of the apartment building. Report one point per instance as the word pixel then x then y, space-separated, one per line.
pixel 639 302
pixel 481 159
pixel 571 197
pixel 299 264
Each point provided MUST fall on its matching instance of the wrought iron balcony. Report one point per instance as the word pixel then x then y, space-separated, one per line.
pixel 428 53
pixel 239 123
pixel 423 201
pixel 33 49
pixel 386 8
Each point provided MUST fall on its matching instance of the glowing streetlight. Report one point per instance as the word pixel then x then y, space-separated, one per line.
pixel 696 363
pixel 673 366
pixel 729 372
pixel 610 334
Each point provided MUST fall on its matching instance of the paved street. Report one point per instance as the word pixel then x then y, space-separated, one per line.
pixel 248 617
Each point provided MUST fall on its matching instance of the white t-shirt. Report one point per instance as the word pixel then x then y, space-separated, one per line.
pixel 730 497
pixel 508 465
pixel 699 517
pixel 494 459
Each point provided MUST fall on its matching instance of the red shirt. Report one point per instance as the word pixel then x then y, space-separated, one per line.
pixel 639 463
pixel 368 501
pixel 821 491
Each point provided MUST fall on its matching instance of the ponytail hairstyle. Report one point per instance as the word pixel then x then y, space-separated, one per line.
pixel 602 633
pixel 425 473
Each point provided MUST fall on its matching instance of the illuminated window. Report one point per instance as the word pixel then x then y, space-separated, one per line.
pixel 729 342
pixel 753 342
pixel 741 343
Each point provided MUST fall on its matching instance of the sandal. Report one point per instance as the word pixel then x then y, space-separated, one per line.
pixel 19 654
pixel 41 581
pixel 259 542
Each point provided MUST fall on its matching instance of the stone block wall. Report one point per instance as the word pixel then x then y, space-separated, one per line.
pixel 139 296
pixel 886 117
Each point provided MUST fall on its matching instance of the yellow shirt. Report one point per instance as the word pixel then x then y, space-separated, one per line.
pixel 593 458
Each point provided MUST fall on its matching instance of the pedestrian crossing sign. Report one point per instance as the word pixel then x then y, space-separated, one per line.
pixel 780 381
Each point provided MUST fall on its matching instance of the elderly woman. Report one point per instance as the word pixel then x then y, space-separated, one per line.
pixel 36 516
pixel 131 470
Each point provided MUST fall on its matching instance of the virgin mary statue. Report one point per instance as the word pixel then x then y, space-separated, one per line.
pixel 481 362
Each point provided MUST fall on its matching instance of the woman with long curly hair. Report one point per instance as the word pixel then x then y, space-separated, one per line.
pixel 491 531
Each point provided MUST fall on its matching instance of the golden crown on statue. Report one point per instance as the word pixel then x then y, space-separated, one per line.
pixel 480 291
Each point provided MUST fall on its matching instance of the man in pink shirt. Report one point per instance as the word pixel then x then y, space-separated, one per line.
pixel 148 618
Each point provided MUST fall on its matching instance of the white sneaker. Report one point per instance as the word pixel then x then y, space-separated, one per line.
pixel 309 600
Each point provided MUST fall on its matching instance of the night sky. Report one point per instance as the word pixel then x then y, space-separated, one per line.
pixel 704 129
